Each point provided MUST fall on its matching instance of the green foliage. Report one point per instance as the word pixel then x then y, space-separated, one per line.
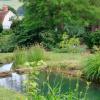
pixel 52 93
pixel 87 39
pixel 12 9
pixel 79 49
pixel 42 17
pixel 96 38
pixel 44 21
pixel 7 94
pixel 95 2
pixel 48 39
pixel 19 37
pixel 57 13
pixel 20 57
pixel 6 44
pixel 92 39
pixel 1 28
pixel 35 53
pixel 92 68
pixel 6 58
pixel 31 57
pixel 70 44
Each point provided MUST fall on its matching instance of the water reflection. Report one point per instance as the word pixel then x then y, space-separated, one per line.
pixel 6 67
pixel 15 82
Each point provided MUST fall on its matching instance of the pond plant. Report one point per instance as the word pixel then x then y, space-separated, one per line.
pixel 33 91
pixel 92 68
pixel 29 57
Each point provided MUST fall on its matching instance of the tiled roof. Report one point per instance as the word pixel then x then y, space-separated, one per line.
pixel 2 15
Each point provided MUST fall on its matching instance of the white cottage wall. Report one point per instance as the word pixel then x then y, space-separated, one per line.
pixel 7 20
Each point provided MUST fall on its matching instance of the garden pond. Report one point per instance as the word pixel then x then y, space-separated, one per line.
pixel 16 81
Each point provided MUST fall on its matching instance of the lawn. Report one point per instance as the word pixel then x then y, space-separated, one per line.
pixel 6 57
pixel 6 94
pixel 54 59
pixel 71 59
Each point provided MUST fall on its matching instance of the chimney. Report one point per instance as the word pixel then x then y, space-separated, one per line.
pixel 5 8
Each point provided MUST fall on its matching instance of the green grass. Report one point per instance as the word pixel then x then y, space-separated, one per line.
pixel 6 57
pixel 35 53
pixel 20 57
pixel 69 59
pixel 55 59
pixel 6 94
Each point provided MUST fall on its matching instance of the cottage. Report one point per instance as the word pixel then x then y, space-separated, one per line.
pixel 6 17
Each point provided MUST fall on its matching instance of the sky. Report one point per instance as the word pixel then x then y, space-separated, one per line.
pixel 13 3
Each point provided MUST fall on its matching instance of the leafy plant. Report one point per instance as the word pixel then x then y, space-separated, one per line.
pixel 70 44
pixel 92 39
pixel 92 68
pixel 29 57
pixel 6 44
pixel 52 93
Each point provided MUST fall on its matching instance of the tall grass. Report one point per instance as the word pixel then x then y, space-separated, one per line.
pixel 20 56
pixel 92 67
pixel 35 53
pixel 24 56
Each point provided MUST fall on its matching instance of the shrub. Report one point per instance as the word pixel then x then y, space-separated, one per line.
pixel 96 38
pixel 87 39
pixel 6 44
pixel 92 39
pixel 1 28
pixel 70 44
pixel 48 39
pixel 92 68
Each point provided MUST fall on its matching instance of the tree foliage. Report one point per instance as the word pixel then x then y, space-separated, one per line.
pixel 46 20
pixel 1 28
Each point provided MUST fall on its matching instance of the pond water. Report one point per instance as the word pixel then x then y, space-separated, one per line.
pixel 15 82
pixel 6 67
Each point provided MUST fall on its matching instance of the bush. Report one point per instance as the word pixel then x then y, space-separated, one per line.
pixel 70 44
pixel 96 38
pixel 1 28
pixel 92 68
pixel 6 44
pixel 48 39
pixel 92 39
